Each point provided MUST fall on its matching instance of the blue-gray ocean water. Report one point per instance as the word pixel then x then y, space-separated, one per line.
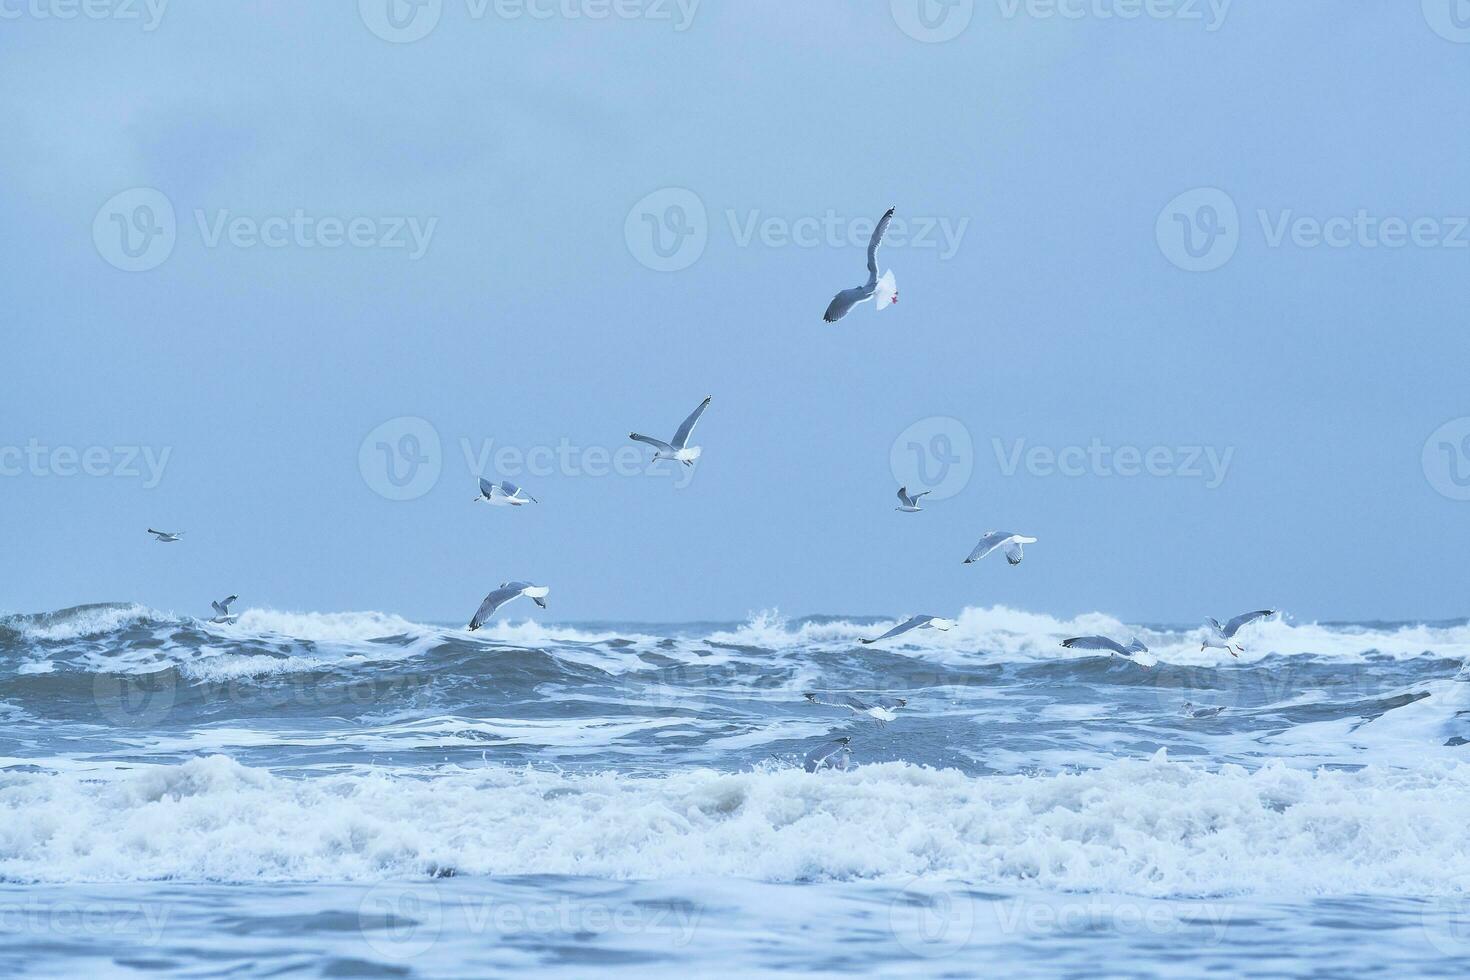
pixel 304 794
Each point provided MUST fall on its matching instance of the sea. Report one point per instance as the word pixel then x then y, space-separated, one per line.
pixel 306 794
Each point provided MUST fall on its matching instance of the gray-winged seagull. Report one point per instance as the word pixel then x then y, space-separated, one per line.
pixel 679 449
pixel 914 623
pixel 1220 636
pixel 1134 651
pixel 504 494
pixel 885 289
pixel 163 537
pixel 880 710
pixel 829 755
pixel 502 595
pixel 1009 540
pixel 910 504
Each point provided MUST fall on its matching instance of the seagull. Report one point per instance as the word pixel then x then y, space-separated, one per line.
pixel 915 623
pixel 830 755
pixel 1220 636
pixel 504 494
pixel 502 595
pixel 886 289
pixel 1192 710
pixel 1134 651
pixel 880 710
pixel 163 537
pixel 1010 540
pixel 222 609
pixel 679 449
pixel 907 504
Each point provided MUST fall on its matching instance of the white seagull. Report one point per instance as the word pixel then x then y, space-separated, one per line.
pixel 222 609
pixel 907 504
pixel 880 710
pixel 504 494
pixel 1010 540
pixel 915 623
pixel 163 537
pixel 502 595
pixel 885 289
pixel 1220 636
pixel 679 449
pixel 1191 710
pixel 1134 651
pixel 830 755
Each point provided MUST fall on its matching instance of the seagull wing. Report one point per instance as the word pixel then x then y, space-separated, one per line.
pixel 658 444
pixel 1245 619
pixel 991 541
pixel 487 488
pixel 1014 552
pixel 839 701
pixel 1097 643
pixel 904 498
pixel 901 628
pixel 873 243
pixel 681 438
pixel 494 601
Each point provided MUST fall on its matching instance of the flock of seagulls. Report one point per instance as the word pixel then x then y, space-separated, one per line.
pixel 883 291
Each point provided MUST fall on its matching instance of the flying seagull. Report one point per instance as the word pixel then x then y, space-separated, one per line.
pixel 504 494
pixel 830 755
pixel 502 595
pixel 885 289
pixel 679 449
pixel 916 623
pixel 907 504
pixel 1010 540
pixel 1220 636
pixel 163 537
pixel 880 710
pixel 222 609
pixel 1134 651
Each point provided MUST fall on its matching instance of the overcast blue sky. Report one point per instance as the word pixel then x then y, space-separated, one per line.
pixel 1191 286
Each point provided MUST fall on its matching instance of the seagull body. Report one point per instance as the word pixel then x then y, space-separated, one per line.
pixel 829 755
pixel 914 623
pixel 880 710
pixel 884 289
pixel 1009 540
pixel 908 504
pixel 1200 711
pixel 222 609
pixel 164 537
pixel 1220 636
pixel 504 494
pixel 1134 651
pixel 679 449
pixel 502 595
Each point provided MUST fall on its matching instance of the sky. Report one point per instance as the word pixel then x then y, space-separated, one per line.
pixel 1181 294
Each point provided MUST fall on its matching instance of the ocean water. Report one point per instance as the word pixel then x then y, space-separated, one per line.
pixel 353 794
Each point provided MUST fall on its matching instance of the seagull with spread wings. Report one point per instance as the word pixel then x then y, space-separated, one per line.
pixel 1134 651
pixel 910 504
pixel 504 494
pixel 885 290
pixel 502 595
pixel 914 623
pixel 164 537
pixel 222 609
pixel 1220 636
pixel 830 755
pixel 1009 540
pixel 880 710
pixel 679 449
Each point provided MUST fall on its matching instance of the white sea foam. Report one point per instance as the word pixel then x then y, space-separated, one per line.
pixel 1149 827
